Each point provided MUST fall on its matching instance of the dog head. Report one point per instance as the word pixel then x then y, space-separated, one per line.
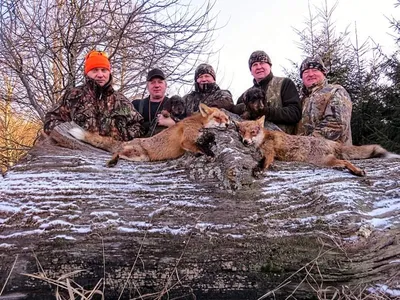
pixel 174 107
pixel 254 99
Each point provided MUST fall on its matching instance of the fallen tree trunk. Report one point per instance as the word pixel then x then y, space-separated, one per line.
pixel 194 227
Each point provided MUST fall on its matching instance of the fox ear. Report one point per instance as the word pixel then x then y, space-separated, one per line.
pixel 204 109
pixel 261 121
pixel 236 123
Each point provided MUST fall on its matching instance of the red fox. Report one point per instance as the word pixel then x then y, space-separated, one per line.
pixel 170 143
pixel 317 151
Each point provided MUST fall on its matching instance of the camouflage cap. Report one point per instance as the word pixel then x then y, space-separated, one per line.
pixel 313 63
pixel 204 69
pixel 259 56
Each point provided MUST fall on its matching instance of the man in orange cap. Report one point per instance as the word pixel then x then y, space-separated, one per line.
pixel 96 106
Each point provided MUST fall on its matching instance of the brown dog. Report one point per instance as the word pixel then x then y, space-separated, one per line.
pixel 318 151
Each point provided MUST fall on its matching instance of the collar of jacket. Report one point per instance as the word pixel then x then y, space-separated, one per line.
pixel 210 88
pixel 314 88
pixel 97 89
pixel 263 82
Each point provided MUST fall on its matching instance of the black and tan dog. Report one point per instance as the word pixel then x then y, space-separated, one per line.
pixel 174 107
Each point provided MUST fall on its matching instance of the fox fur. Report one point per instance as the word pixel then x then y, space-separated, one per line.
pixel 170 143
pixel 318 151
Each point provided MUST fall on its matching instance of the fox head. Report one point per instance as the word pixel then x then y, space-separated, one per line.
pixel 213 117
pixel 251 132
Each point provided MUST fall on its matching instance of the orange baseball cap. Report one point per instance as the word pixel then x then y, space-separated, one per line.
pixel 96 59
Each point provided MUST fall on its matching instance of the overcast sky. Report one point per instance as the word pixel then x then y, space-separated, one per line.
pixel 268 25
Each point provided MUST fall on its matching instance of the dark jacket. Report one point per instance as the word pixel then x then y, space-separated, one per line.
pixel 97 109
pixel 150 116
pixel 211 96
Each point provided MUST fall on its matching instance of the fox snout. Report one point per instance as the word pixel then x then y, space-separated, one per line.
pixel 247 142
pixel 225 123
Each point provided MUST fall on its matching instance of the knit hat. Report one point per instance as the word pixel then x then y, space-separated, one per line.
pixel 96 59
pixel 259 56
pixel 155 73
pixel 204 69
pixel 313 63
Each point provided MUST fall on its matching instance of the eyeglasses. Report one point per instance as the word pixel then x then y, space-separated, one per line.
pixel 96 53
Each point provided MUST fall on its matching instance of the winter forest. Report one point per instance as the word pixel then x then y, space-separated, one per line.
pixel 43 43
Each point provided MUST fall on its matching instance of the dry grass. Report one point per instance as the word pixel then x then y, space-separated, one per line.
pixel 314 280
pixel 9 275
pixel 68 289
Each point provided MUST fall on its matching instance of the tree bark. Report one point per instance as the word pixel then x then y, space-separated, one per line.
pixel 195 227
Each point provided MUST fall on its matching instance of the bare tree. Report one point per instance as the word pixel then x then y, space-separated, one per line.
pixel 43 43
pixel 16 134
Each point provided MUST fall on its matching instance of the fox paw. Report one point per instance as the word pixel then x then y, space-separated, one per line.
pixel 112 162
pixel 360 172
pixel 206 139
pixel 257 172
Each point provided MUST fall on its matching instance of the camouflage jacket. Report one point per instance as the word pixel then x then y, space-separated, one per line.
pixel 214 97
pixel 326 113
pixel 282 102
pixel 97 109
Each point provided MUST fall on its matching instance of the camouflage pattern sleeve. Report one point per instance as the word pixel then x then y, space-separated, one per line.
pixel 189 103
pixel 61 112
pixel 238 108
pixel 240 99
pixel 335 124
pixel 134 120
pixel 224 100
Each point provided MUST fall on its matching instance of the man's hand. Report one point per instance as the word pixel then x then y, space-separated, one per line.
pixel 163 121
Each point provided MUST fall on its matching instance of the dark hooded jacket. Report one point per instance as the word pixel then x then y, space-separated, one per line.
pixel 211 95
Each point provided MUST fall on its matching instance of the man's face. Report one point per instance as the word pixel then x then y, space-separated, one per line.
pixel 260 70
pixel 100 75
pixel 311 77
pixel 157 87
pixel 205 78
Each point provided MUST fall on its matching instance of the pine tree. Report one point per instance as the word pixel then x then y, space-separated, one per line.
pixel 359 69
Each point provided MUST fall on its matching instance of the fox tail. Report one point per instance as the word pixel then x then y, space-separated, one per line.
pixel 103 142
pixel 366 151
